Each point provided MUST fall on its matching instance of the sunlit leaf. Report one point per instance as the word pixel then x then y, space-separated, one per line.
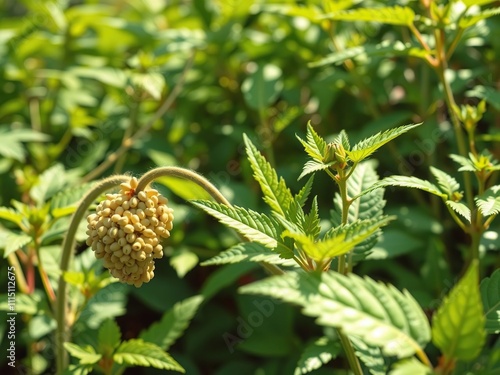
pixel 109 336
pixel 262 86
pixel 490 295
pixel 489 202
pixel 380 315
pixel 458 325
pixel 139 353
pixel 410 366
pixel 276 193
pixel 468 21
pixel 85 354
pixel 396 15
pixel 15 241
pixel 368 146
pixel 460 209
pixel 447 183
pixel 317 354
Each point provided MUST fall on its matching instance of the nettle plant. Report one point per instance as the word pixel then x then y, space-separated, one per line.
pixel 377 327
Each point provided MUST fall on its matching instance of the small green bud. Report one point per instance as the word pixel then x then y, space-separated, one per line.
pixel 470 115
pixel 335 153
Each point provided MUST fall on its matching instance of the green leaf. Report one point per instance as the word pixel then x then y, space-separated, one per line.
pixel 49 182
pixel 490 295
pixel 312 166
pixel 469 21
pixel 371 356
pixel 12 139
pixel 248 252
pixel 109 337
pixel 183 188
pixel 225 276
pixel 317 354
pixel 384 49
pixel 460 209
pixel 490 94
pixel 466 164
pixel 254 226
pixel 301 197
pixel 458 325
pixel 396 15
pixel 379 314
pixel 183 261
pixel 173 323
pixel 405 181
pixel 410 366
pixel 65 202
pixel 470 3
pixel 139 353
pixel 11 215
pixel 489 202
pixel 262 87
pixel 314 145
pixel 86 355
pixel 339 241
pixel 368 146
pixel 276 193
pixel 447 183
pixel 15 242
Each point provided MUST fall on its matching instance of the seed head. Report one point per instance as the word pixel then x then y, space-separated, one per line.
pixel 126 230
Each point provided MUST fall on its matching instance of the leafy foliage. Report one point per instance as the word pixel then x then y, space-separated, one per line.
pixel 458 326
pixel 390 15
pixel 380 315
pixel 490 296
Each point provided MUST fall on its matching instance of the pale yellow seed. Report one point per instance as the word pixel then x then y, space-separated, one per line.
pixel 119 266
pixel 130 262
pixel 148 248
pixel 150 211
pixel 141 255
pixel 107 240
pixel 128 228
pixel 162 200
pixel 113 232
pixel 155 200
pixel 125 205
pixel 107 222
pixel 148 233
pixel 124 258
pixel 115 218
pixel 127 249
pixel 118 253
pixel 145 222
pixel 114 246
pixel 141 206
pixel 136 246
pixel 122 241
pixel 131 237
pixel 133 202
pixel 123 221
pixel 142 196
pixel 158 255
pixel 140 214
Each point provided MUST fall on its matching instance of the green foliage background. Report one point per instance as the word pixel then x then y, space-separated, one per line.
pixel 82 79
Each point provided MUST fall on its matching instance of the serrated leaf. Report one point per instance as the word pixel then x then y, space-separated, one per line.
pixel 276 193
pixel 379 314
pixel 405 181
pixel 339 241
pixel 173 323
pixel 253 225
pixel 85 354
pixel 460 209
pixel 248 252
pixel 489 202
pixel 11 215
pixel 317 354
pixel 311 222
pixel 15 242
pixel 314 145
pixel 468 21
pixel 458 325
pixel 139 353
pixel 371 356
pixel 312 166
pixel 301 197
pixel 490 295
pixel 368 146
pixel 466 164
pixel 109 337
pixel 447 183
pixel 396 15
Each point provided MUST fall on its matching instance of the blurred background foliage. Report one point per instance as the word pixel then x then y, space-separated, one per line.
pixel 91 88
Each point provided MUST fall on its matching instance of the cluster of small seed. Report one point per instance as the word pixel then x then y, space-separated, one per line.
pixel 126 229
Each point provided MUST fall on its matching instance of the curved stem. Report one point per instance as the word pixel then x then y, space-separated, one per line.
pixel 201 181
pixel 62 331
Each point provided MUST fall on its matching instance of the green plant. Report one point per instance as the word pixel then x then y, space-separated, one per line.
pixel 91 90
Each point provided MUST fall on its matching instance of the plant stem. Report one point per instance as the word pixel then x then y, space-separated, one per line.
pixel 20 279
pixel 63 329
pixel 350 354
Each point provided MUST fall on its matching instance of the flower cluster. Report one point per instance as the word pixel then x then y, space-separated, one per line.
pixel 126 230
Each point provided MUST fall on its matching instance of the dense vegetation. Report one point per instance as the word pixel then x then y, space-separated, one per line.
pixel 307 104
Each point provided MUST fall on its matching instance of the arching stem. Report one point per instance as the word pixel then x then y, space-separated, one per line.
pixel 62 330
